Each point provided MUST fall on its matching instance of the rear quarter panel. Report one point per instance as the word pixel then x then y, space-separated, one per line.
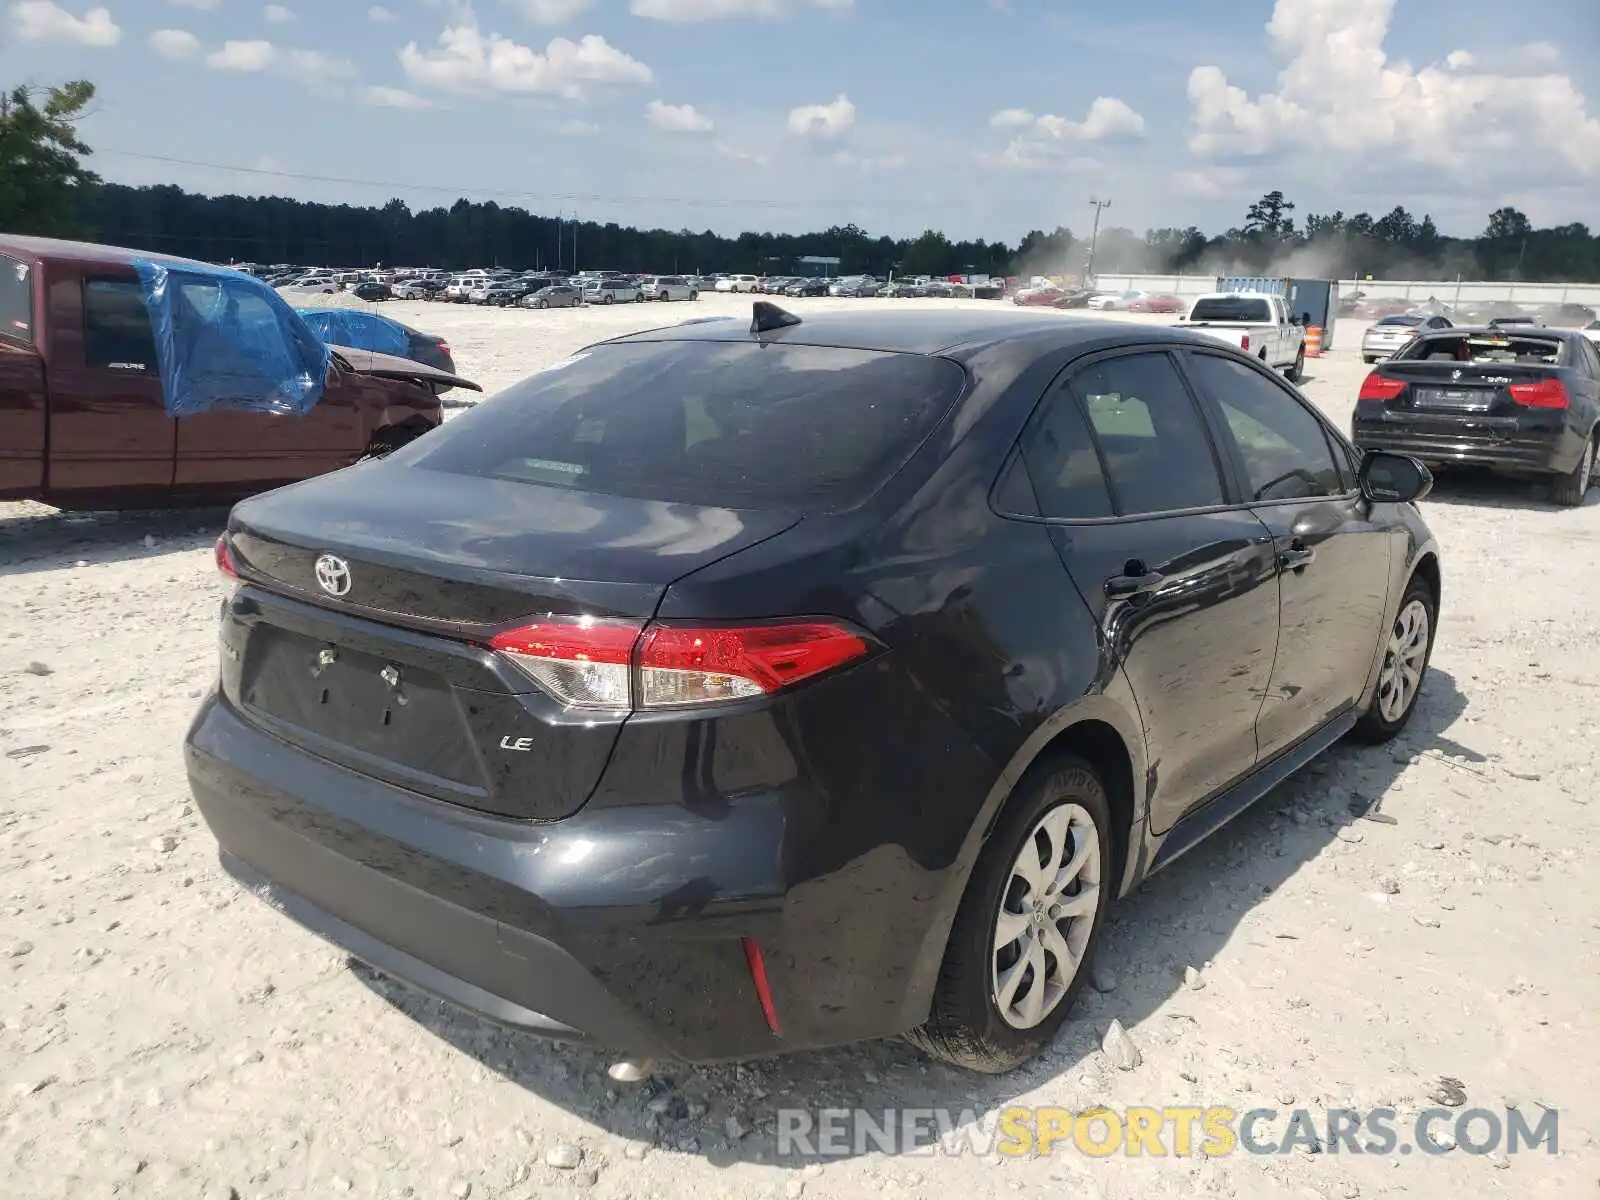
pixel 23 413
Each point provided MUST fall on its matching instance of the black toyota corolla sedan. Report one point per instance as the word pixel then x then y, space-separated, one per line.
pixel 749 686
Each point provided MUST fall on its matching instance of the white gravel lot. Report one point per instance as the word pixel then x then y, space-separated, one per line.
pixel 1391 917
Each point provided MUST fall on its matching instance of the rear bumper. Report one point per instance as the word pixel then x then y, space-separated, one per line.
pixel 623 926
pixel 1505 447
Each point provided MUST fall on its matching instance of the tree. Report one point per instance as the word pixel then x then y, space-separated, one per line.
pixel 41 176
pixel 1269 216
pixel 1507 223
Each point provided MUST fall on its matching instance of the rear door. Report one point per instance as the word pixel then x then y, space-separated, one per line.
pixel 228 452
pixel 1182 583
pixel 109 429
pixel 1336 566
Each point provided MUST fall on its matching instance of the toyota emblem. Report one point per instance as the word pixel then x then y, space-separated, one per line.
pixel 333 574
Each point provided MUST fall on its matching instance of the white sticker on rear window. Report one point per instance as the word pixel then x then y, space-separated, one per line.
pixel 560 468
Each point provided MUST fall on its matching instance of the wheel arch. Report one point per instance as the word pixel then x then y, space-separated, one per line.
pixel 1105 732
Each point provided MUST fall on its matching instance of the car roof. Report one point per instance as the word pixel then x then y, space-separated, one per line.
pixel 957 332
pixel 60 250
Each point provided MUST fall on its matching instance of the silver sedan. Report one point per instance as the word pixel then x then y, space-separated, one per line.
pixel 1386 335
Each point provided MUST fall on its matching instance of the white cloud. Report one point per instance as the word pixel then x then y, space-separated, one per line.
pixel 40 20
pixel 174 43
pixel 379 15
pixel 823 120
pixel 242 56
pixel 197 5
pixel 551 12
pixel 577 128
pixel 277 14
pixel 677 118
pixel 686 12
pixel 393 97
pixel 1341 98
pixel 1012 118
pixel 467 60
pixel 1045 141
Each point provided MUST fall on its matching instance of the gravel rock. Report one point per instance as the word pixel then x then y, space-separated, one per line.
pixel 1119 1048
pixel 563 1156
pixel 18 949
pixel 165 844
pixel 1102 978
pixel 38 668
pixel 1193 980
pixel 1389 885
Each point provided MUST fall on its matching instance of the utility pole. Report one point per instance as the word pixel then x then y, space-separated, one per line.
pixel 1099 207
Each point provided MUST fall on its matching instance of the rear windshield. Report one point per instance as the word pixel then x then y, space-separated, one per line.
pixel 1401 321
pixel 720 424
pixel 16 300
pixel 1484 348
pixel 1230 308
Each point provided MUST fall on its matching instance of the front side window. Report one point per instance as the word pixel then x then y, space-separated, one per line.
pixel 117 334
pixel 1157 455
pixel 1285 450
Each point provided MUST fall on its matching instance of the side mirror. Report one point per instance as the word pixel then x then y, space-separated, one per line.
pixel 1386 478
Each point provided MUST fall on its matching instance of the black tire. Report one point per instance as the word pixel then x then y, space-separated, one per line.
pixel 1569 490
pixel 694 295
pixel 965 1027
pixel 1295 373
pixel 1374 727
pixel 541 304
pixel 608 298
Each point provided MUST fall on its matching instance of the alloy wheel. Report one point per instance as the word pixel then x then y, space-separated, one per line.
pixel 1403 661
pixel 1047 913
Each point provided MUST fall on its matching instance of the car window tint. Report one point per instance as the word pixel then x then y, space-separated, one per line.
pixel 1590 356
pixel 1150 435
pixel 1285 451
pixel 1062 461
pixel 16 300
pixel 713 423
pixel 116 326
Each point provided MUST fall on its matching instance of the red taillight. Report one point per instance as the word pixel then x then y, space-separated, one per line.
pixel 697 665
pixel 585 663
pixel 1380 387
pixel 758 976
pixel 224 558
pixel 444 348
pixel 603 664
pixel 1546 393
pixel 1244 342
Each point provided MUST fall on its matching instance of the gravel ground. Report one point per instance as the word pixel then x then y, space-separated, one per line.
pixel 1389 918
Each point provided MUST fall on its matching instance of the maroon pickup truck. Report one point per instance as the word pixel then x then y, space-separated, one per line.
pixel 83 423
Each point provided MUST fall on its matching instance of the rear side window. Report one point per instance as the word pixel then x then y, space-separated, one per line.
pixel 1157 455
pixel 117 334
pixel 718 424
pixel 16 300
pixel 1062 461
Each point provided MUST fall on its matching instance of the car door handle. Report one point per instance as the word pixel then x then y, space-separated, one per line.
pixel 1121 587
pixel 1296 558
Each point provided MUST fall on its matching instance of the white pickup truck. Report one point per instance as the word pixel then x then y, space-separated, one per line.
pixel 1257 323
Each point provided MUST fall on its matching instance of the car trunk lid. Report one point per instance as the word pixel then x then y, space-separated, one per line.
pixel 362 631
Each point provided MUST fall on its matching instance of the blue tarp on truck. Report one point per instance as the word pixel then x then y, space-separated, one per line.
pixel 227 341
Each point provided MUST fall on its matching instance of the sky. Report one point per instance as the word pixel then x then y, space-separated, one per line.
pixel 980 118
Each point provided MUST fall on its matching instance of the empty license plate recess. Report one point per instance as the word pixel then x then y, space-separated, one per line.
pixel 1458 398
pixel 324 695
